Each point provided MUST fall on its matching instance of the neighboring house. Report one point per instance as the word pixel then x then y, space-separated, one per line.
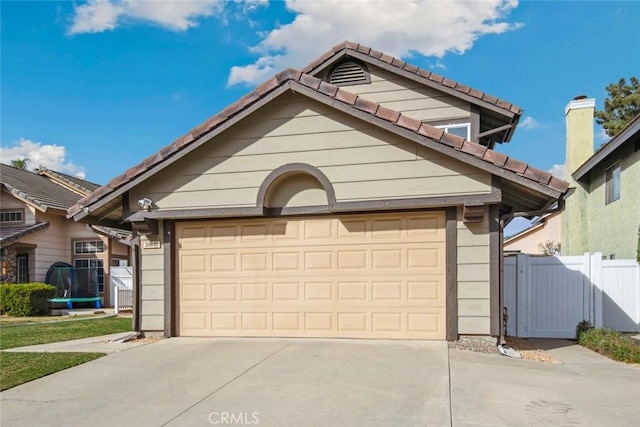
pixel 35 233
pixel 603 214
pixel 328 203
pixel 546 228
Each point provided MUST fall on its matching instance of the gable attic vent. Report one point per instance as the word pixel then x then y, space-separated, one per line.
pixel 348 73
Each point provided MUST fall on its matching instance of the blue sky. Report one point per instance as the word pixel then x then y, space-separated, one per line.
pixel 93 88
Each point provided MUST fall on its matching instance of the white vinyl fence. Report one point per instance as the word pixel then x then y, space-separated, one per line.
pixel 546 297
pixel 121 288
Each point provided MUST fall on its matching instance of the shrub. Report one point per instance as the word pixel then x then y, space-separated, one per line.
pixel 581 327
pixel 25 299
pixel 611 344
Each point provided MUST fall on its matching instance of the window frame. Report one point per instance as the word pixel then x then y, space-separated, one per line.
pixel 456 126
pixel 610 179
pixel 88 252
pixel 97 260
pixel 22 268
pixel 19 212
pixel 99 254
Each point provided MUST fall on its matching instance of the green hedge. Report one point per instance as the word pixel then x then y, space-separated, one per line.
pixel 611 344
pixel 25 299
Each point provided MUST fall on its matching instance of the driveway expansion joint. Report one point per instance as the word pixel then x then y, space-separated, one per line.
pixel 241 374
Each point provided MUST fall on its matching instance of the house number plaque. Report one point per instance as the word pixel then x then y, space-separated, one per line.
pixel 151 244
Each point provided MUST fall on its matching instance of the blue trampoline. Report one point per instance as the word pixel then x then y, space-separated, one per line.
pixel 74 284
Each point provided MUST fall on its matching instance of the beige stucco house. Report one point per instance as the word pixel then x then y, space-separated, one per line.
pixel 544 231
pixel 359 197
pixel 35 232
pixel 603 214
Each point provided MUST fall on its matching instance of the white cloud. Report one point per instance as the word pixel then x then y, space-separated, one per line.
pixel 402 29
pixel 602 137
pixel 102 15
pixel 529 123
pixel 559 171
pixel 47 155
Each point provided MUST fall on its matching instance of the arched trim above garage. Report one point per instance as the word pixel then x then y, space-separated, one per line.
pixel 295 186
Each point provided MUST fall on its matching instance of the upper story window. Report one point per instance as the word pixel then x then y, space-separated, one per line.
pixel 11 216
pixel 612 183
pixel 349 73
pixel 459 129
pixel 82 247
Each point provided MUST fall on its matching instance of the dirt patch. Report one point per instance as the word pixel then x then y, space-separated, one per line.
pixel 529 351
pixel 526 349
pixel 147 339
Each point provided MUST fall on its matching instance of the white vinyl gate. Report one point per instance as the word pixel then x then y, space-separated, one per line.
pixel 121 281
pixel 546 297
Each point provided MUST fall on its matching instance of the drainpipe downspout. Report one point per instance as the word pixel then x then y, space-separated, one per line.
pixel 503 219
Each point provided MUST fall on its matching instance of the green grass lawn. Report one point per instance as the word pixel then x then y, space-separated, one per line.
pixel 43 333
pixel 20 368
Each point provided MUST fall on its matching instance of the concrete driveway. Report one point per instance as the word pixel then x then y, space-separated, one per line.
pixel 287 382
pixel 269 382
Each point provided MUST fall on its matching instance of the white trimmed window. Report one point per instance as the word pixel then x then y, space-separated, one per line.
pixel 11 217
pixel 612 183
pixel 93 264
pixel 84 247
pixel 459 129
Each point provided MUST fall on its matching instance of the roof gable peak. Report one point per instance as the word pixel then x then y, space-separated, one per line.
pixel 398 66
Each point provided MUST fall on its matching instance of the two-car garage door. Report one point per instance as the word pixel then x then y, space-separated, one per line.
pixel 351 276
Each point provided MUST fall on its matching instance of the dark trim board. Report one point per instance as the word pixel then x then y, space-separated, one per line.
pixel 452 272
pixel 364 206
pixel 294 168
pixel 137 286
pixel 475 124
pixel 168 231
pixel 495 258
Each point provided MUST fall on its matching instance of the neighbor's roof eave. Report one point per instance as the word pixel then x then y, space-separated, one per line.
pixel 623 136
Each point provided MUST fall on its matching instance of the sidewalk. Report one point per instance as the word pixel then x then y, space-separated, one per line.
pixel 101 344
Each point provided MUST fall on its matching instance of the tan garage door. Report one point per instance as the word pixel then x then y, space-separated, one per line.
pixel 365 276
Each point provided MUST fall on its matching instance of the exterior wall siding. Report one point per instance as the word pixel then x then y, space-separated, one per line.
pixel 152 284
pixel 613 227
pixel 361 161
pixel 53 244
pixel 410 98
pixel 473 277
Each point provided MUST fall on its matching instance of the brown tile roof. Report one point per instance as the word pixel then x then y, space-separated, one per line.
pixel 11 233
pixel 425 74
pixel 295 78
pixel 80 185
pixel 37 189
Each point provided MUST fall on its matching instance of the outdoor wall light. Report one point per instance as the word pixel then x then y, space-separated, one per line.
pixel 145 203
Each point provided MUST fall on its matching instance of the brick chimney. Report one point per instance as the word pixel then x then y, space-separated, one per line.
pixel 579 119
